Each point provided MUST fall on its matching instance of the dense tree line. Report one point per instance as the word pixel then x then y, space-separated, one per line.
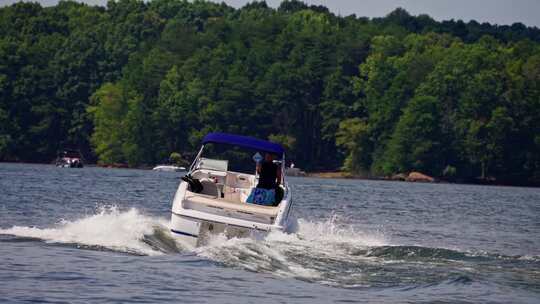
pixel 134 81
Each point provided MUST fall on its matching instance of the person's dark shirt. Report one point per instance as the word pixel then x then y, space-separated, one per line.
pixel 268 175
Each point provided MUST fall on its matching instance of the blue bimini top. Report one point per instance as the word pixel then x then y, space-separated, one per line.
pixel 244 141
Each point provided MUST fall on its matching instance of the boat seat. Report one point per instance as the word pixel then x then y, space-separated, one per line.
pixel 209 187
pixel 236 206
pixel 236 180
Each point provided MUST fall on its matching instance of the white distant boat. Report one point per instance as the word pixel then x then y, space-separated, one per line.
pixel 211 199
pixel 169 168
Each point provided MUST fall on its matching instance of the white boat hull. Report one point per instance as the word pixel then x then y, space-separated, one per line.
pixel 194 217
pixel 186 230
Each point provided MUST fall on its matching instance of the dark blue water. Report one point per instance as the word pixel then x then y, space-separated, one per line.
pixel 100 235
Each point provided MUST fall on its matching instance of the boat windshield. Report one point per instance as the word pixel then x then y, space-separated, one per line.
pixel 213 164
pixel 222 157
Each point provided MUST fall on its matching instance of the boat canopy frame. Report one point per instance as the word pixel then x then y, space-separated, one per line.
pixel 242 141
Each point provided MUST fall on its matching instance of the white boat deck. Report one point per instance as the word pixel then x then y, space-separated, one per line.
pixel 193 200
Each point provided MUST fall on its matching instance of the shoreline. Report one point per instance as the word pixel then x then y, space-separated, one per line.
pixel 322 175
pixel 347 175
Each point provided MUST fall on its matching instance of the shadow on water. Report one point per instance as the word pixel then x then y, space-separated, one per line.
pixel 162 241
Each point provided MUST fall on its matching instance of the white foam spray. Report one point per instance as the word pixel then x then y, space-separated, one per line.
pixel 109 228
pixel 315 252
pixel 306 254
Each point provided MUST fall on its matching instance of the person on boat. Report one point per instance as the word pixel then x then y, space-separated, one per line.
pixel 270 176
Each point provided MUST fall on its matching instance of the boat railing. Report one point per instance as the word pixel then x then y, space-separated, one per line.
pixel 196 161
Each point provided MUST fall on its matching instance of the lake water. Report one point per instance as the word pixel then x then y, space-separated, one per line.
pixel 96 235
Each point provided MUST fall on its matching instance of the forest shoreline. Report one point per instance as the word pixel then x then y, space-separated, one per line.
pixel 320 174
pixel 347 175
pixel 136 81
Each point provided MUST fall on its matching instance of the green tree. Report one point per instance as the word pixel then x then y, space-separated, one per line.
pixel 415 143
pixel 353 137
pixel 108 109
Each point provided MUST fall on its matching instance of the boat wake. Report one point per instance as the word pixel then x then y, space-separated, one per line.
pixel 325 251
pixel 109 229
pixel 318 251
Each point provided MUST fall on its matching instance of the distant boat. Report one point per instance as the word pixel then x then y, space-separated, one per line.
pixel 294 172
pixel 69 159
pixel 169 168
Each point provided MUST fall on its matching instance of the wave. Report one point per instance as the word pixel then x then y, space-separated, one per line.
pixel 317 251
pixel 336 254
pixel 327 251
pixel 109 229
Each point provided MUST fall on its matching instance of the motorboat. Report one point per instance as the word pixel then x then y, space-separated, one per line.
pixel 69 159
pixel 212 198
pixel 169 168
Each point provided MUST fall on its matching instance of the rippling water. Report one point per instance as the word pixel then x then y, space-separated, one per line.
pixel 100 235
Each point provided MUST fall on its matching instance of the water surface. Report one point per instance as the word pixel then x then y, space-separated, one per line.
pixel 101 235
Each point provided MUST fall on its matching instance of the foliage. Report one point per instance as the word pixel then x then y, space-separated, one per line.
pixel 177 159
pixel 353 136
pixel 288 142
pixel 136 80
